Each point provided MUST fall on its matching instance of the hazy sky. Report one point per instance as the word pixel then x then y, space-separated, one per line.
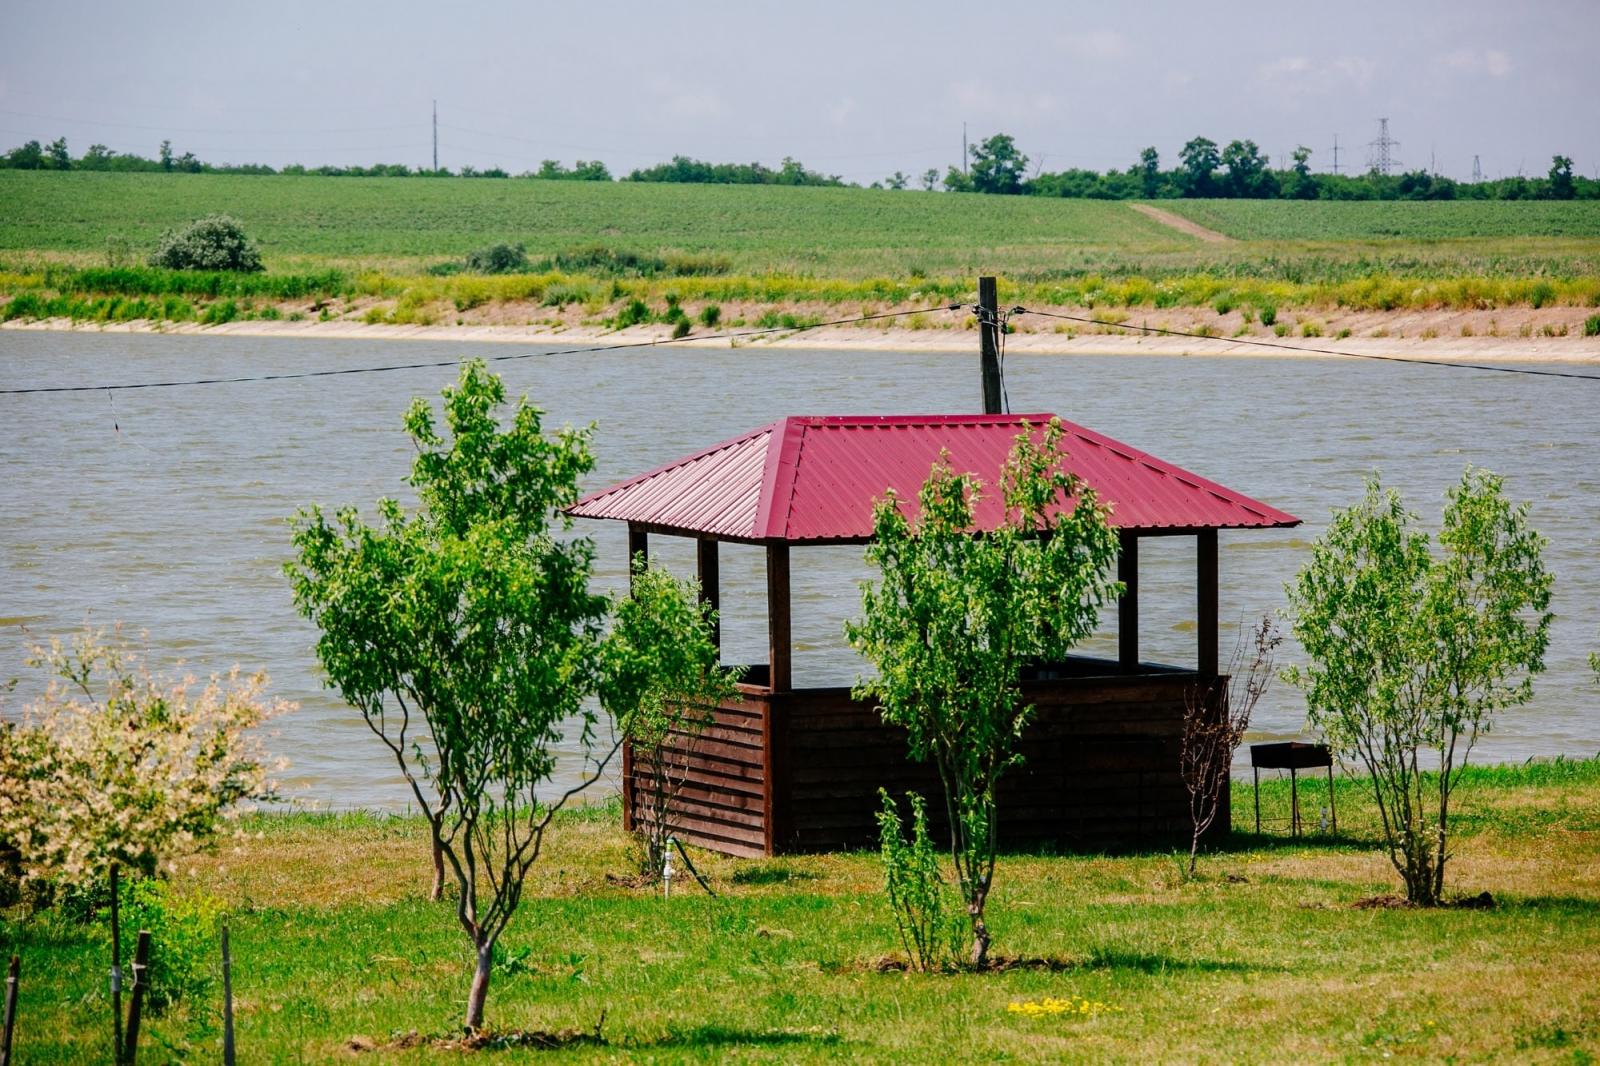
pixel 858 89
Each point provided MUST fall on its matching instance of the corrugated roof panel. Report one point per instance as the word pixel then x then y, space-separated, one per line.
pixel 816 478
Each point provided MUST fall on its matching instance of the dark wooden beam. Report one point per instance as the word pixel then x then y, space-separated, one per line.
pixel 1128 606
pixel 989 344
pixel 1206 605
pixel 706 567
pixel 638 544
pixel 778 617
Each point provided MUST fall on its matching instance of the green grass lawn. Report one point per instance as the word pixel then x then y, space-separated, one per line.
pixel 1262 957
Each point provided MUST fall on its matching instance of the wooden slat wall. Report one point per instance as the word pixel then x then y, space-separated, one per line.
pixel 724 800
pixel 1101 768
pixel 800 771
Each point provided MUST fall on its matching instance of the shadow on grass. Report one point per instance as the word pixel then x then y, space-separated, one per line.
pixel 729 1036
pixel 1149 963
pixel 771 875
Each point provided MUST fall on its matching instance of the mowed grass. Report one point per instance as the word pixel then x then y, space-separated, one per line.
pixel 1263 957
pixel 1408 220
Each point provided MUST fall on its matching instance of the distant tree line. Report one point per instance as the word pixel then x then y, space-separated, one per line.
pixel 1242 171
pixel 1239 170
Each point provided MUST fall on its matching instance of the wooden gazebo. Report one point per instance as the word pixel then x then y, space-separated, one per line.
pixel 784 769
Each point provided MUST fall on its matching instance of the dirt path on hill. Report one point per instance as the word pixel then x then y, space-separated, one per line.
pixel 1178 222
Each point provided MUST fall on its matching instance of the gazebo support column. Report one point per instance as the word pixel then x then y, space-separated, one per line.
pixel 778 617
pixel 705 557
pixel 638 544
pixel 1128 605
pixel 1206 588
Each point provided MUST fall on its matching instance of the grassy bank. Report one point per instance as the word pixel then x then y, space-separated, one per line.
pixel 1263 957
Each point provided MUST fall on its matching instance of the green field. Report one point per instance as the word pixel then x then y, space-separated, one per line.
pixel 1393 220
pixel 1264 957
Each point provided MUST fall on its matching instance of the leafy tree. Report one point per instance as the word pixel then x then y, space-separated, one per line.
pixel 997 165
pixel 1247 170
pixel 662 680
pixel 1199 162
pixel 956 180
pixel 27 156
pixel 466 635
pixel 166 155
pixel 1412 653
pixel 1149 171
pixel 896 181
pixel 1561 183
pixel 57 154
pixel 955 617
pixel 1302 186
pixel 216 242
pixel 930 178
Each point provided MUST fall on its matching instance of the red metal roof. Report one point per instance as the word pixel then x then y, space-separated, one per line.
pixel 814 479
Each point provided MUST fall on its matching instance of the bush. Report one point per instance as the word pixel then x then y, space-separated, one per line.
pixel 926 916
pixel 113 764
pixel 634 313
pixel 216 242
pixel 711 314
pixel 184 942
pixel 681 328
pixel 498 259
pixel 1591 326
pixel 1269 315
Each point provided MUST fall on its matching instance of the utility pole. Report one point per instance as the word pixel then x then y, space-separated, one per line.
pixel 436 136
pixel 989 343
pixel 963 148
pixel 1381 151
pixel 1336 153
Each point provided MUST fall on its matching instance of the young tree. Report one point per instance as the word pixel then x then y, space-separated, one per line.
pixel 896 181
pixel 957 615
pixel 1149 173
pixel 997 165
pixel 1562 187
pixel 1200 161
pixel 930 178
pixel 1213 728
pixel 662 679
pixel 1412 655
pixel 466 635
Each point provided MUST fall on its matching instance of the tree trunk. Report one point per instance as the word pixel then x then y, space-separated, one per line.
pixel 480 987
pixel 436 893
pixel 980 938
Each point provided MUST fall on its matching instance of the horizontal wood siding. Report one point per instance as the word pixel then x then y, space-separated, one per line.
pixel 723 801
pixel 1100 770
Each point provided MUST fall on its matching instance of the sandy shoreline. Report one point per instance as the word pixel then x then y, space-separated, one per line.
pixel 1572 348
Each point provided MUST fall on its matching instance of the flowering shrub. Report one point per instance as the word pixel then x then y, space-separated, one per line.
pixel 216 242
pixel 113 764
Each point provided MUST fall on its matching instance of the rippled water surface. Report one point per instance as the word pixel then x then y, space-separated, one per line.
pixel 165 509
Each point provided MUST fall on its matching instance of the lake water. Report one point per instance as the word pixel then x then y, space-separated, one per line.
pixel 165 509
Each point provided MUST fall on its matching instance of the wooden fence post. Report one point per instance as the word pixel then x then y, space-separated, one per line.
pixel 227 1002
pixel 141 982
pixel 11 1010
pixel 988 344
pixel 116 970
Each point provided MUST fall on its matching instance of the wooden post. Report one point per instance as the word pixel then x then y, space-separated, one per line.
pixel 638 544
pixel 141 982
pixel 227 1002
pixel 12 974
pixel 1333 808
pixel 710 584
pixel 1255 774
pixel 1206 587
pixel 779 677
pixel 116 970
pixel 1128 606
pixel 989 343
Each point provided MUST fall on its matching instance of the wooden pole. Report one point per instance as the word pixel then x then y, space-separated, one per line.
pixel 12 974
pixel 1206 589
pixel 227 1002
pixel 116 970
pixel 141 982
pixel 638 544
pixel 1128 606
pixel 709 572
pixel 779 677
pixel 989 343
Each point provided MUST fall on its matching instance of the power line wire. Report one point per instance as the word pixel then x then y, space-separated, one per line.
pixel 346 371
pixel 1314 351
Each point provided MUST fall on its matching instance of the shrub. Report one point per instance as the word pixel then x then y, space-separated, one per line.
pixel 216 242
pixel 711 314
pixel 681 328
pixel 926 916
pixel 1591 326
pixel 498 259
pixel 1223 304
pixel 598 260
pixel 1269 315
pixel 183 938
pixel 1541 294
pixel 113 764
pixel 635 312
pixel 220 312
